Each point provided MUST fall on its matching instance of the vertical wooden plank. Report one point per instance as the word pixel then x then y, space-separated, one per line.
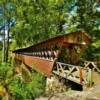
pixel 89 77
pixel 81 75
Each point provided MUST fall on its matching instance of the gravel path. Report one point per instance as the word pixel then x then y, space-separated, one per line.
pixel 91 94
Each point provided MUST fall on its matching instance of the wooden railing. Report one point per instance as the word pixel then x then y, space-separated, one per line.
pixel 77 74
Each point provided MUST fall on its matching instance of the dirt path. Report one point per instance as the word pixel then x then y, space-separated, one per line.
pixel 89 94
pixel 96 78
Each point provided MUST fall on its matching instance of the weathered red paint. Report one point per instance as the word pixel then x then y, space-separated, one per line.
pixel 39 64
pixel 81 75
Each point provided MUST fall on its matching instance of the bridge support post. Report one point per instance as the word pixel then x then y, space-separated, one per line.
pixel 81 75
pixel 90 77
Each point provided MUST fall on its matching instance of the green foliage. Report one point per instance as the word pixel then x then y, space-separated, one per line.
pixel 6 72
pixel 37 20
pixel 17 87
pixel 37 86
pixel 93 51
pixel 21 90
pixel 85 16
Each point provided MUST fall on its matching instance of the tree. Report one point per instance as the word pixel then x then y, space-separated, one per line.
pixel 6 15
pixel 14 87
pixel 85 16
pixel 37 20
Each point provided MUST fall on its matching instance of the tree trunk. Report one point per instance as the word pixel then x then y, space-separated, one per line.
pixel 3 48
pixel 7 44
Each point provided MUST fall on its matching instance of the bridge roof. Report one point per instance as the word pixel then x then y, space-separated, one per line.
pixel 76 38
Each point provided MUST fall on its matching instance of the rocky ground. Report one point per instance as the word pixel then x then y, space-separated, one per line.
pixel 87 94
pixel 90 94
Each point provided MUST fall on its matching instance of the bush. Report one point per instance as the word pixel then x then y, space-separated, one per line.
pixel 17 88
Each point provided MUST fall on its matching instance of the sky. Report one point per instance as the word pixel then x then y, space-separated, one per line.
pixel 0 39
pixel 5 36
pixel 98 9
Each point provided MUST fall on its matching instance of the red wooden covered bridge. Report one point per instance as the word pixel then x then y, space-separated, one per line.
pixel 58 55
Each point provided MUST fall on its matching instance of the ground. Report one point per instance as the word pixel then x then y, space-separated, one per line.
pixel 92 93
